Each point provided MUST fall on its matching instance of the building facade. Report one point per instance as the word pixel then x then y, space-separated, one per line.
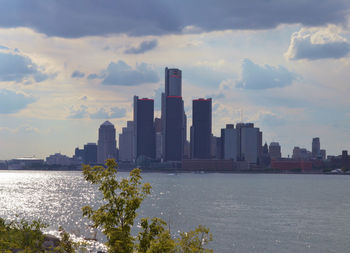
pixel 144 133
pixel 107 144
pixel 315 147
pixel 126 143
pixel 229 143
pixel 275 150
pixel 201 128
pixel 90 153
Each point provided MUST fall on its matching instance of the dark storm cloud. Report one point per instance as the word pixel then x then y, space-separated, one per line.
pixel 120 73
pixel 12 102
pixel 67 18
pixel 78 74
pixel 16 67
pixel 302 47
pixel 258 77
pixel 142 48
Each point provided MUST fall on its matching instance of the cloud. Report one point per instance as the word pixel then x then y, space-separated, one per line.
pixel 271 119
pixel 315 43
pixel 115 112
pixel 22 129
pixel 120 73
pixel 254 76
pixel 143 47
pixel 83 112
pixel 18 68
pixel 78 113
pixel 3 48
pixel 12 102
pixel 66 18
pixel 94 76
pixel 78 74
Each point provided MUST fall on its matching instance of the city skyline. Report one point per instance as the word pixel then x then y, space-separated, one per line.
pixel 286 69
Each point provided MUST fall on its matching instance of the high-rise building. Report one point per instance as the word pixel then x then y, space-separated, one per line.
pixel 275 150
pixel 174 139
pixel 201 128
pixel 90 153
pixel 126 143
pixel 107 144
pixel 229 143
pixel 144 134
pixel 315 147
pixel 173 82
pixel 173 117
pixel 249 143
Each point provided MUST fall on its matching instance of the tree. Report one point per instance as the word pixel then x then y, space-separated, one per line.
pixel 116 217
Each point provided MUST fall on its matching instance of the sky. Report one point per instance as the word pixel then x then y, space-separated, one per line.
pixel 67 66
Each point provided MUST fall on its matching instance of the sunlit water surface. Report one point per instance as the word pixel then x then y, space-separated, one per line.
pixel 245 212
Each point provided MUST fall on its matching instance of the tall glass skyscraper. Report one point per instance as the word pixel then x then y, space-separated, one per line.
pixel 201 128
pixel 144 133
pixel 107 144
pixel 173 117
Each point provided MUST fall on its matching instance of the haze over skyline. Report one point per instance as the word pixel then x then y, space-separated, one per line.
pixel 65 67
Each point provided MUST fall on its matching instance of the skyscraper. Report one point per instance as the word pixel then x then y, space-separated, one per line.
pixel 126 143
pixel 275 150
pixel 173 117
pixel 107 145
pixel 249 142
pixel 173 82
pixel 201 128
pixel 229 143
pixel 90 153
pixel 315 147
pixel 144 134
pixel 174 139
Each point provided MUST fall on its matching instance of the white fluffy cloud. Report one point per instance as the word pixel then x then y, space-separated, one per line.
pixel 318 43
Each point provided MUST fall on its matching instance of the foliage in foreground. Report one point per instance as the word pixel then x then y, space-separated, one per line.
pixel 21 235
pixel 117 216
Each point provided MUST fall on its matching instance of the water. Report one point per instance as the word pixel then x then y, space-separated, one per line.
pixel 245 212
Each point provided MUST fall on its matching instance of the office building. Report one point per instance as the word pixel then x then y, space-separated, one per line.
pixel 249 143
pixel 174 126
pixel 126 143
pixel 229 143
pixel 107 144
pixel 173 82
pixel 144 134
pixel 201 128
pixel 90 153
pixel 275 150
pixel 173 117
pixel 315 147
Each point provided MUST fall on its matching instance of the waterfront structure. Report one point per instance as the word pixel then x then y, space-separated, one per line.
pixel 25 163
pixel 229 143
pixel 126 142
pixel 315 147
pixel 173 117
pixel 201 128
pixel 249 143
pixel 59 159
pixel 301 154
pixel 90 153
pixel 275 150
pixel 144 134
pixel 107 145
